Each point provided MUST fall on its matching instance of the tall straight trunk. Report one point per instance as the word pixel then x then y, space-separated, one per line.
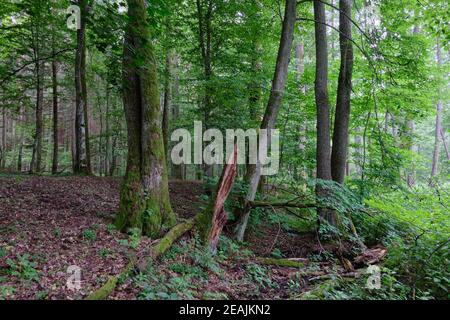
pixel 255 97
pixel 438 125
pixel 273 105
pixel 144 197
pixel 55 115
pixel 178 170
pixel 205 37
pixel 323 151
pixel 342 116
pixel 82 161
pixel 302 132
pixel 167 104
pixel 36 159
pixel 107 133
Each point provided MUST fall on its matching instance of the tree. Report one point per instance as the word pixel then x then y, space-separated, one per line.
pixel 144 197
pixel 55 110
pixel 323 151
pixel 273 106
pixel 82 163
pixel 342 116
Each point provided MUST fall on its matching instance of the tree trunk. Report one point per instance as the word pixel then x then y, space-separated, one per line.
pixel 323 151
pixel 167 100
pixel 144 198
pixel 213 219
pixel 55 116
pixel 273 106
pixel 178 170
pixel 35 166
pixel 205 35
pixel 82 161
pixel 342 116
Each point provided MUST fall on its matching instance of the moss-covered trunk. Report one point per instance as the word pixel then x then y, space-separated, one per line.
pixel 144 198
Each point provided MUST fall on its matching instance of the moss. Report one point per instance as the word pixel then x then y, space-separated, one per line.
pixel 104 291
pixel 282 262
pixel 166 242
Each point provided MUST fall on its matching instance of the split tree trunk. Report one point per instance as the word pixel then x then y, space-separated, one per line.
pixel 273 106
pixel 213 219
pixel 144 197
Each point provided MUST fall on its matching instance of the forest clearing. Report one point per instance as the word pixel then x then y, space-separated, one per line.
pixel 224 150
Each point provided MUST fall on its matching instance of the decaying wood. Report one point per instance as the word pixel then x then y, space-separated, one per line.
pixel 214 217
pixel 371 256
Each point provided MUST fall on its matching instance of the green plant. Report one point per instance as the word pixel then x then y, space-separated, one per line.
pixel 6 292
pixel 89 234
pixel 259 274
pixel 23 268
pixel 104 252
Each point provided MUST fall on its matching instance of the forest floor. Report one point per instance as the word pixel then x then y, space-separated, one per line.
pixel 51 223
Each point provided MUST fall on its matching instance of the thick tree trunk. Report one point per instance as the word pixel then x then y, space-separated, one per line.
pixel 342 116
pixel 144 198
pixel 273 106
pixel 82 161
pixel 55 116
pixel 323 151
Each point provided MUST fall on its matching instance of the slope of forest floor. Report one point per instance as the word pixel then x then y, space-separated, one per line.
pixel 49 224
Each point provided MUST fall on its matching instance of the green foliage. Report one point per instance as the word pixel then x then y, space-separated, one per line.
pixel 6 292
pixel 259 274
pixel 23 268
pixel 89 234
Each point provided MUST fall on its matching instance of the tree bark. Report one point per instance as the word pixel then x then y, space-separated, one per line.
pixel 205 35
pixel 167 100
pixel 273 106
pixel 55 115
pixel 178 170
pixel 323 150
pixel 144 198
pixel 342 116
pixel 82 163
pixel 36 159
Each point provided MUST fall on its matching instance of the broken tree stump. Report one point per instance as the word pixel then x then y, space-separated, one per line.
pixel 214 217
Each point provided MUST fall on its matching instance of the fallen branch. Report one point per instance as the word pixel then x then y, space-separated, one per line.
pixel 157 250
pixel 105 290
